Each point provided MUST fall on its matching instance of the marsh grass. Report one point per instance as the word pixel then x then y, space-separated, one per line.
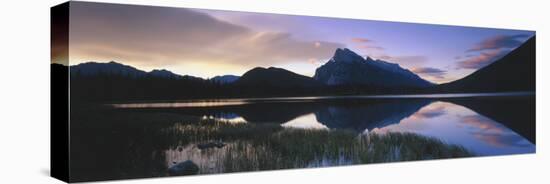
pixel 211 130
pixel 295 148
pixel 269 146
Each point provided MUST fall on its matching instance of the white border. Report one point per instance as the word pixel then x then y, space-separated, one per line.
pixel 25 90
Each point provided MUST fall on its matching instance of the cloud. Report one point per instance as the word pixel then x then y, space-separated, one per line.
pixel 483 59
pixel 489 50
pixel 361 40
pixel 429 71
pixel 366 44
pixel 159 37
pixel 405 60
pixel 498 42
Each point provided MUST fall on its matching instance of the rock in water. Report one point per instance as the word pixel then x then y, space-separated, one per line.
pixel 184 168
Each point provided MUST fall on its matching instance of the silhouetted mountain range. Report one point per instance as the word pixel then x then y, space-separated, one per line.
pixel 225 79
pixel 275 78
pixel 164 74
pixel 513 72
pixel 346 73
pixel 110 68
pixel 114 68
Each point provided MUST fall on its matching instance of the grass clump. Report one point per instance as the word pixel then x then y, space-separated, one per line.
pixel 297 148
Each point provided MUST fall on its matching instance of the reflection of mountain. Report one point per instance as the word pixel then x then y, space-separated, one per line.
pixel 361 117
pixel 263 112
pixel 516 113
pixel 352 114
pixel 269 112
pixel 513 72
pixel 348 68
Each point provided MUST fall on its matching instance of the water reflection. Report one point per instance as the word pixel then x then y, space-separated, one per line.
pixel 458 125
pixel 145 139
pixel 367 116
pixel 308 121
pixel 431 117
pixel 225 117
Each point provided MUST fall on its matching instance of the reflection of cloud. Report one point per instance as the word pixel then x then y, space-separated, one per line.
pixel 483 59
pixel 159 36
pixel 429 71
pixel 492 132
pixel 501 140
pixel 430 112
pixel 483 123
pixel 498 42
pixel 418 122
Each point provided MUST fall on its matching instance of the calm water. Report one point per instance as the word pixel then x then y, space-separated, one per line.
pixel 144 139
pixel 426 115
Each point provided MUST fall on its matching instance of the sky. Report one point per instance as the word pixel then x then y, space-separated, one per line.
pixel 207 43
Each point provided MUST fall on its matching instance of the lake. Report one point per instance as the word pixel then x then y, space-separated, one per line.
pixel 144 139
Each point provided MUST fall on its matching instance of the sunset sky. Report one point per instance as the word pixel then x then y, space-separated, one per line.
pixel 206 43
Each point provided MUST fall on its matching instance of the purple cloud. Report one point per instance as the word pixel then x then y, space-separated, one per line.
pixel 404 59
pixel 481 60
pixel 361 40
pixel 498 42
pixel 433 72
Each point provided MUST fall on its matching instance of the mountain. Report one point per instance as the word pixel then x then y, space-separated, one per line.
pixel 513 72
pixel 225 79
pixel 111 68
pixel 275 77
pixel 164 74
pixel 101 82
pixel 114 68
pixel 348 68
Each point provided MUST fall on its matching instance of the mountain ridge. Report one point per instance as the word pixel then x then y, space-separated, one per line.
pixel 513 72
pixel 275 77
pixel 348 68
pixel 225 79
pixel 114 68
